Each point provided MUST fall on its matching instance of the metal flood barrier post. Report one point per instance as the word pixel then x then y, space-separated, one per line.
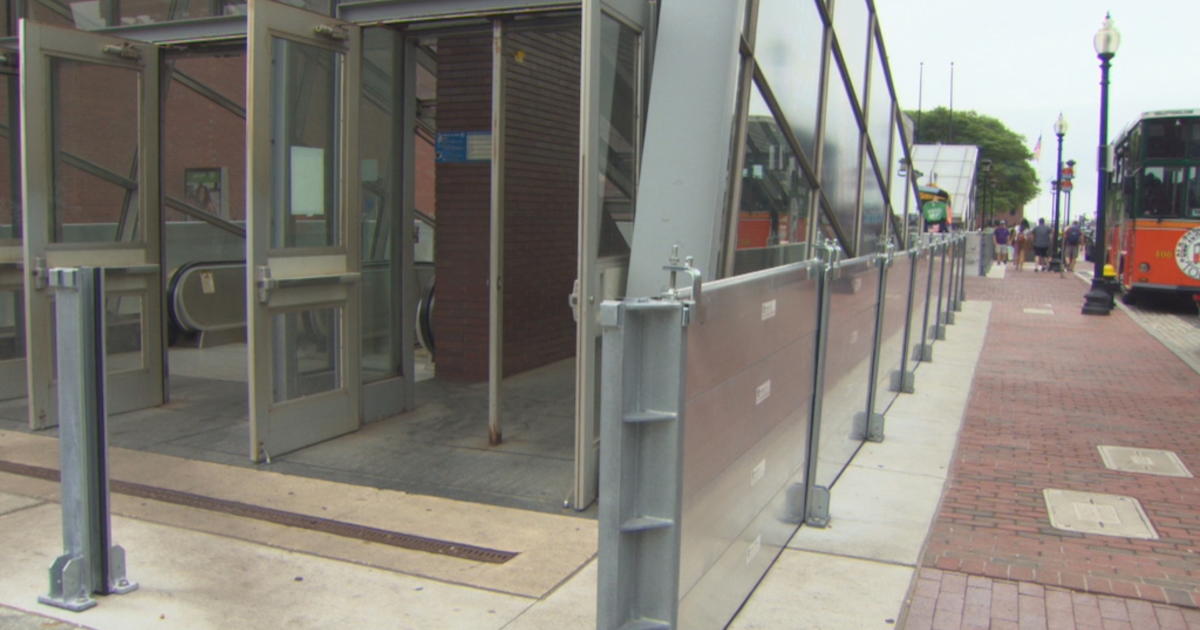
pixel 924 351
pixel 90 562
pixel 939 321
pixel 705 420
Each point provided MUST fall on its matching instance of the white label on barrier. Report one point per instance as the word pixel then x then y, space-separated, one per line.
pixel 762 393
pixel 754 548
pixel 853 337
pixel 758 473
pixel 768 310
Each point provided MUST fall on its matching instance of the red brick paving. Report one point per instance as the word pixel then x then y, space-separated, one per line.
pixel 1048 390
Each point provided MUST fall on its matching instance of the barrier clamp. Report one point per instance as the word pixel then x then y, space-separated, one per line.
pixel 90 562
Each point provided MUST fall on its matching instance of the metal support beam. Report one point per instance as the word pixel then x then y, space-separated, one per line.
pixel 641 472
pixel 90 562
pixel 817 509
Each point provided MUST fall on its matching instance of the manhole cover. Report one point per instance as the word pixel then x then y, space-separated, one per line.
pixel 1039 311
pixel 1143 460
pixel 1094 513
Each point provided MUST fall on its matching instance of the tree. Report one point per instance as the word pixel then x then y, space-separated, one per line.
pixel 1016 183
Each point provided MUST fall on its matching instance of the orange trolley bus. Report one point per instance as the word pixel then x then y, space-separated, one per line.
pixel 1153 204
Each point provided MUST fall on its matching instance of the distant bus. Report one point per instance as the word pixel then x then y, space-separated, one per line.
pixel 1153 204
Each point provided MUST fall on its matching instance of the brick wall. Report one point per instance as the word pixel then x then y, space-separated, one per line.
pixel 541 203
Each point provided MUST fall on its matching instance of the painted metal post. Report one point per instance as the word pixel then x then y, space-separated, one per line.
pixel 817 502
pixel 951 280
pixel 925 351
pixel 90 562
pixel 939 323
pixel 904 379
pixel 875 420
pixel 962 273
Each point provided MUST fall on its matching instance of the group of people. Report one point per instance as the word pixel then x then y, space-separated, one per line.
pixel 1039 239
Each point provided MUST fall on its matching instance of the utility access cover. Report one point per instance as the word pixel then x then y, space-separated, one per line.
pixel 1143 460
pixel 1039 311
pixel 1095 513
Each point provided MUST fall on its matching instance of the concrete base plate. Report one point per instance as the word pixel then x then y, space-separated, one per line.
pixel 1143 460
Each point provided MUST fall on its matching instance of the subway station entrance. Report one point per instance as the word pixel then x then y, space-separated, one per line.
pixel 369 249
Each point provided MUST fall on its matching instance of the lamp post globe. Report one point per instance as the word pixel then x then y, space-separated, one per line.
pixel 1060 130
pixel 1099 298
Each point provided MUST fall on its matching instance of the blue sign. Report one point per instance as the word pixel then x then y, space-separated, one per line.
pixel 464 146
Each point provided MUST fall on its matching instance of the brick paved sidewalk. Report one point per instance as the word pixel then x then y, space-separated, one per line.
pixel 1051 386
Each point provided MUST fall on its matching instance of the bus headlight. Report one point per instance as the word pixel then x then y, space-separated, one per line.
pixel 1144 267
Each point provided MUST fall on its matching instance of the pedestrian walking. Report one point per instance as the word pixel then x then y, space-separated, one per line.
pixel 1041 245
pixel 1072 238
pixel 1001 236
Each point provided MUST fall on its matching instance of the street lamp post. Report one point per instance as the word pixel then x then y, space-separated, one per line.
pixel 1099 299
pixel 1060 130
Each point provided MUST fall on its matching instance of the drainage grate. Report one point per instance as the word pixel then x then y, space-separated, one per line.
pixel 1143 460
pixel 281 517
pixel 1095 513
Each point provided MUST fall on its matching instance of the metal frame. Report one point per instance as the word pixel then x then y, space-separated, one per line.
pixel 283 280
pixel 495 282
pixel 133 266
pixel 90 562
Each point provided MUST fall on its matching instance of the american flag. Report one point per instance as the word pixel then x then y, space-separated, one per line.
pixel 1037 150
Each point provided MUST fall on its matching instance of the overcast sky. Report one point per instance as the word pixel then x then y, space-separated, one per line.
pixel 1024 61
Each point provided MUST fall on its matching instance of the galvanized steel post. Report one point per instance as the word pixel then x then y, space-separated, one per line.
pixel 903 379
pixel 817 502
pixel 90 562
pixel 939 323
pixel 875 420
pixel 925 351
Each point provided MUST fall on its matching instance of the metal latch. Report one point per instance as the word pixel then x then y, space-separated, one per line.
pixel 40 273
pixel 264 282
pixel 675 266
pixel 125 50
pixel 332 31
pixel 573 300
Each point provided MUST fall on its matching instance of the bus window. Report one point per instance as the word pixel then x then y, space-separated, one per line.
pixel 1193 193
pixel 1165 192
pixel 1193 140
pixel 1164 138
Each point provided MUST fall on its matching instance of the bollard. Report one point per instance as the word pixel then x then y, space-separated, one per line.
pixel 90 562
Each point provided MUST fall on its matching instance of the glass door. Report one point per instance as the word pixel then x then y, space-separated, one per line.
pixel 89 113
pixel 12 315
pixel 303 241
pixel 610 146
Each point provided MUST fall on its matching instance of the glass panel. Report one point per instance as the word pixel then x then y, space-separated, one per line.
pixel 879 114
pixel 123 332
pixel 851 23
pixel 839 172
pixel 874 213
pixel 90 15
pixel 1169 137
pixel 12 325
pixel 203 143
pixel 618 135
pixel 380 349
pixel 788 51
pixel 10 160
pixel 773 209
pixel 94 144
pixel 1169 192
pixel 304 101
pixel 305 352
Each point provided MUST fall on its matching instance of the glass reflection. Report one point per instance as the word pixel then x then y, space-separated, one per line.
pixel 851 22
pixel 879 113
pixel 10 159
pixel 788 47
pixel 874 216
pixel 839 171
pixel 306 144
pixel 95 160
pixel 305 360
pixel 90 15
pixel 773 209
pixel 618 135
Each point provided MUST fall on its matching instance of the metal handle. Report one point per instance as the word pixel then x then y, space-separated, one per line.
pixel 266 283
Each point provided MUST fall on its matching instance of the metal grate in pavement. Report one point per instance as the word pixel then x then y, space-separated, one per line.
pixel 282 517
pixel 1095 513
pixel 1143 460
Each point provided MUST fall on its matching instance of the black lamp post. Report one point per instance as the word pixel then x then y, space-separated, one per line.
pixel 1099 300
pixel 1060 130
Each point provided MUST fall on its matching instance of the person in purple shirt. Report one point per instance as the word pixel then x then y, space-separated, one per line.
pixel 1001 234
